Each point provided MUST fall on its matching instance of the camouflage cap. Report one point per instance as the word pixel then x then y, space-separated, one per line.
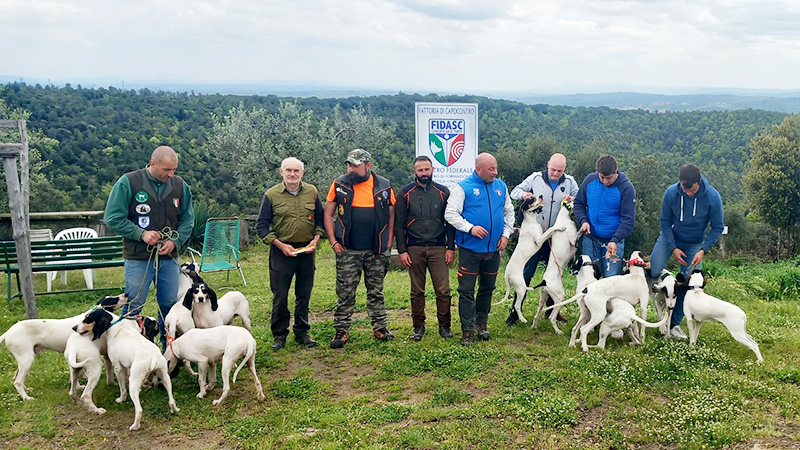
pixel 358 156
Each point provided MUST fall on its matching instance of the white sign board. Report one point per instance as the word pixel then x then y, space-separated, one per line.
pixel 447 133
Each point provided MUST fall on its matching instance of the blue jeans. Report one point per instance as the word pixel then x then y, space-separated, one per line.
pixel 598 254
pixel 658 260
pixel 139 274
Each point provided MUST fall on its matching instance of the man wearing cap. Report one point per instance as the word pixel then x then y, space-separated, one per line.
pixel 481 211
pixel 290 222
pixel 359 221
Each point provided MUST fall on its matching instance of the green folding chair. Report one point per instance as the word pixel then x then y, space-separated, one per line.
pixel 220 247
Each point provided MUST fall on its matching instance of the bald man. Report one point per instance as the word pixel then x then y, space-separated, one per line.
pixel 480 210
pixel 151 209
pixel 553 185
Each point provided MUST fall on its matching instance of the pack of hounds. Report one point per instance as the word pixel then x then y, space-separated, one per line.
pixel 198 332
pixel 199 322
pixel 611 302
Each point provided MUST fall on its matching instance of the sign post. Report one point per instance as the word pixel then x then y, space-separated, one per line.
pixel 447 133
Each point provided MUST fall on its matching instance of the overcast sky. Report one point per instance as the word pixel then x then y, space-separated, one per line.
pixel 462 46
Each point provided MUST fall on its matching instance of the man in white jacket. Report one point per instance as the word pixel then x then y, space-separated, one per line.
pixel 553 185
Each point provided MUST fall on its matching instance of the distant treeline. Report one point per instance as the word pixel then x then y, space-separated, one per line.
pixel 99 134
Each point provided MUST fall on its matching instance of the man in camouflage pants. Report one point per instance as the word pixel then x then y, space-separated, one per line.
pixel 359 221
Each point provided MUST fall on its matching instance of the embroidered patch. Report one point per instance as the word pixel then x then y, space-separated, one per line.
pixel 141 196
pixel 144 221
pixel 499 192
pixel 176 202
pixel 341 210
pixel 385 195
pixel 143 208
pixel 476 191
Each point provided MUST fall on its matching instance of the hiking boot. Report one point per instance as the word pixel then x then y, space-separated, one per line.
pixel 383 334
pixel 278 343
pixel 339 339
pixel 419 332
pixel 467 338
pixel 445 332
pixel 483 332
pixel 677 333
pixel 305 341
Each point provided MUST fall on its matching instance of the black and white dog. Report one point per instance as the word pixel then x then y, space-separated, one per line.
pixel 208 311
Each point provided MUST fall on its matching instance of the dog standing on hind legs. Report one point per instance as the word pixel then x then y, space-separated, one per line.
pixel 530 241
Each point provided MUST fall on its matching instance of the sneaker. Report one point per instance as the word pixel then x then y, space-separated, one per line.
pixel 339 339
pixel 445 332
pixel 383 334
pixel 419 332
pixel 305 341
pixel 467 338
pixel 278 343
pixel 617 334
pixel 677 333
pixel 483 332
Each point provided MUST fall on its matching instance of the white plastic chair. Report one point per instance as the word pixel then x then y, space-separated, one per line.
pixel 77 233
pixel 44 234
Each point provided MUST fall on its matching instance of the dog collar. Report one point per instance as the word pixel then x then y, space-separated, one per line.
pixel 140 321
pixel 639 262
pixel 694 288
pixel 665 274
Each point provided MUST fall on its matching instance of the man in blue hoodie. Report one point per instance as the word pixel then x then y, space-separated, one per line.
pixel 606 210
pixel 480 210
pixel 689 207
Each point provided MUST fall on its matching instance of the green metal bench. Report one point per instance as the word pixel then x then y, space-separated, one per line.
pixel 57 255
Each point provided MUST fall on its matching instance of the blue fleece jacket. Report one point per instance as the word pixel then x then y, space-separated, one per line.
pixel 610 211
pixel 684 219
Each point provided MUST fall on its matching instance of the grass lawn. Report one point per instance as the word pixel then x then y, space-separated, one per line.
pixel 523 389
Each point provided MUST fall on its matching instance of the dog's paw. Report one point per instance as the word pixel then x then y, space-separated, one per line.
pixel 119 399
pixel 174 408
pixel 100 411
pixel 558 332
pixel 134 427
pixel 201 395
pixel 216 402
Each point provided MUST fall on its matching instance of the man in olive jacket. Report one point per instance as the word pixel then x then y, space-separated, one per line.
pixel 425 242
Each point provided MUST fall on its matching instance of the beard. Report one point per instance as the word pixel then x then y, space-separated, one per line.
pixel 356 178
pixel 425 179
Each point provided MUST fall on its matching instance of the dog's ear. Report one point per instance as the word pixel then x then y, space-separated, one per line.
pixel 680 280
pixel 101 324
pixel 213 297
pixel 187 299
pixel 598 271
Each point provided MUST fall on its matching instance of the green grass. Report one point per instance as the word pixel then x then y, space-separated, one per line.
pixel 523 389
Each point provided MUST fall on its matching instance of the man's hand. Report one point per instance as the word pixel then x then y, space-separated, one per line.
pixel 449 256
pixel 585 228
pixel 479 232
pixel 568 198
pixel 698 257
pixel 405 260
pixel 313 244
pixel 151 237
pixel 337 247
pixel 679 256
pixel 167 247
pixel 502 243
pixel 526 195
pixel 285 248
pixel 611 250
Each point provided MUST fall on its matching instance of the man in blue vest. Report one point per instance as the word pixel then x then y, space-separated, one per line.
pixel 606 210
pixel 480 210
pixel 151 209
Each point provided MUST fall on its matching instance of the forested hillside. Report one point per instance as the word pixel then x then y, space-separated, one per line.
pixel 101 133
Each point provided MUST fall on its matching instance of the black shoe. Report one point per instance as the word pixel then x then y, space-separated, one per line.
pixel 305 341
pixel 445 332
pixel 383 334
pixel 340 339
pixel 483 332
pixel 467 338
pixel 419 332
pixel 512 318
pixel 278 343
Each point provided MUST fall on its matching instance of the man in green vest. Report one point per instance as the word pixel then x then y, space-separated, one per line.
pixel 151 209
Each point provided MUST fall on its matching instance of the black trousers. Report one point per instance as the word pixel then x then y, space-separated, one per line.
pixel 480 268
pixel 282 269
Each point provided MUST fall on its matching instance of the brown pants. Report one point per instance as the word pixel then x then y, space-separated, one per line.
pixel 429 259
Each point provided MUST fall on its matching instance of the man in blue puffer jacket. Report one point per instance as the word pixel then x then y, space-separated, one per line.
pixel 480 210
pixel 606 210
pixel 689 207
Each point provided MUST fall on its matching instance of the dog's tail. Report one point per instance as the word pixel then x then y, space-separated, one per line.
pixel 651 324
pixel 566 302
pixel 508 291
pixel 543 283
pixel 72 359
pixel 251 352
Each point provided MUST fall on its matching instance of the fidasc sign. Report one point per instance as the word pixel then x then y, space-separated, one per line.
pixel 447 133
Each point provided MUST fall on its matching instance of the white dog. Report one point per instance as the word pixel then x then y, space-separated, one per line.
pixel 562 248
pixel 631 288
pixel 134 359
pixel 586 272
pixel 621 315
pixel 207 346
pixel 209 312
pixel 530 241
pixel 699 307
pixel 28 338
pixel 664 298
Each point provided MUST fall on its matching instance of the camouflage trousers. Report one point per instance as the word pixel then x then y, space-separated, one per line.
pixel 349 265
